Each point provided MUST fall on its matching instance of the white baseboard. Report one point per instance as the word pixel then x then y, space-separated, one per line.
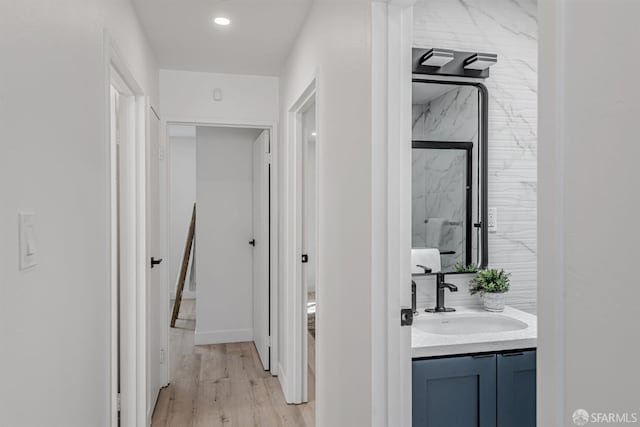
pixel 222 337
pixel 284 384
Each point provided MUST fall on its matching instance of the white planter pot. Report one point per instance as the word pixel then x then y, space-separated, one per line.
pixel 494 301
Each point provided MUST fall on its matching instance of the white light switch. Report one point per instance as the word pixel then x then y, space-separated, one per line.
pixel 492 220
pixel 28 243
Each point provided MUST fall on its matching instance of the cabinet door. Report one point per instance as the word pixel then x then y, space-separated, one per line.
pixel 455 392
pixel 517 389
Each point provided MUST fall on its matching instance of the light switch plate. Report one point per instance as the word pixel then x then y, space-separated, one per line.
pixel 28 240
pixel 492 220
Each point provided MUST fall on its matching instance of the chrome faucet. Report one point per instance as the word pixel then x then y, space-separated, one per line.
pixel 440 287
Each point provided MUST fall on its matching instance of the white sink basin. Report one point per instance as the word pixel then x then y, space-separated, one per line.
pixel 472 330
pixel 466 324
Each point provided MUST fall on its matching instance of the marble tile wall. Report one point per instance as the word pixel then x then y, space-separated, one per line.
pixel 452 116
pixel 508 28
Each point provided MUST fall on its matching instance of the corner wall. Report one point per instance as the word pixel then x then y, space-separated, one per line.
pixel 508 28
pixel 588 293
pixel 54 318
pixel 334 46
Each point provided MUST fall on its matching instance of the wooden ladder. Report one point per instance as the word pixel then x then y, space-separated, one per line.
pixel 185 266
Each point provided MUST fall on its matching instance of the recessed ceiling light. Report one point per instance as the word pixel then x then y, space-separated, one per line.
pixel 221 20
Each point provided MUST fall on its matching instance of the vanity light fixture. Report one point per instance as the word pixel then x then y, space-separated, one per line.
pixel 480 61
pixel 437 57
pixel 221 20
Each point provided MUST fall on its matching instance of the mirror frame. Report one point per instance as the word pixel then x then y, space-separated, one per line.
pixel 483 153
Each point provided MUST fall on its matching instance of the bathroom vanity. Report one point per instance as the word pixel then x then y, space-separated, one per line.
pixel 471 368
pixel 474 368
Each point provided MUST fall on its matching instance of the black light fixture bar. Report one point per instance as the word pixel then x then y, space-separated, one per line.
pixel 480 61
pixel 446 62
pixel 437 57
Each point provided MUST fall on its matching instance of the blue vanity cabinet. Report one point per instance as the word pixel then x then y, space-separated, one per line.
pixel 487 390
pixel 517 389
pixel 455 392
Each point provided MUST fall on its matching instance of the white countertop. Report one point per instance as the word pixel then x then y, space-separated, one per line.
pixel 424 344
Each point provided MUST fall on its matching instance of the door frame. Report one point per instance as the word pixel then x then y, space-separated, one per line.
pixel 272 126
pixel 392 39
pixel 132 400
pixel 153 119
pixel 294 385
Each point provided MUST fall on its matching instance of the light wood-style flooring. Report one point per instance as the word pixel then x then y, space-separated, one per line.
pixel 224 385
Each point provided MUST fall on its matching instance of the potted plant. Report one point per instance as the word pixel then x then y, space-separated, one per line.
pixel 471 268
pixel 491 284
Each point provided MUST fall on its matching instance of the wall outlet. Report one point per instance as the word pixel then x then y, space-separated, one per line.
pixel 492 220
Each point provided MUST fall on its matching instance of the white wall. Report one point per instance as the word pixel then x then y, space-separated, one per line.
pixel 335 46
pixel 246 99
pixel 224 227
pixel 182 196
pixel 588 346
pixel 54 318
pixel 508 28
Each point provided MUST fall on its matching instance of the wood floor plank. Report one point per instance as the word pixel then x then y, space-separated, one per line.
pixel 222 385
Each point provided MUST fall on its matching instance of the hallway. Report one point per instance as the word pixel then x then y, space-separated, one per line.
pixel 221 385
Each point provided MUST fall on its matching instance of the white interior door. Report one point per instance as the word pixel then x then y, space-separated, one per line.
pixel 156 272
pixel 261 236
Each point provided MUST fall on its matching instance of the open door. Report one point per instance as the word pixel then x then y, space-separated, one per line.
pixel 392 40
pixel 261 245
pixel 156 268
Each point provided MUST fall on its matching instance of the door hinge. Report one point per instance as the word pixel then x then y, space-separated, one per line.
pixel 267 157
pixel 406 317
pixel 119 402
pixel 162 356
pixel 268 341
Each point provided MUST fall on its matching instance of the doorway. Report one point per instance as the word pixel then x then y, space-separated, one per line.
pixel 126 107
pixel 308 220
pixel 226 172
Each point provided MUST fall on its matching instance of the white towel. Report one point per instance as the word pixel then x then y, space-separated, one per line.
pixel 435 231
pixel 428 257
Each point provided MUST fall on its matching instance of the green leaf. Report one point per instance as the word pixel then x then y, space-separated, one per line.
pixel 490 281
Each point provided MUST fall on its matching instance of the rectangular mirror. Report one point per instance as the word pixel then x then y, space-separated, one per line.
pixel 449 173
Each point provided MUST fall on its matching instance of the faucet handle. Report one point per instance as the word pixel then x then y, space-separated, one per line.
pixel 427 270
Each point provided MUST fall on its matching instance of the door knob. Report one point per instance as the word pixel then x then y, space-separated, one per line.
pixel 252 242
pixel 155 262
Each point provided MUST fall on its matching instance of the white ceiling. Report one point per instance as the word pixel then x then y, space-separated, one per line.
pixel 257 42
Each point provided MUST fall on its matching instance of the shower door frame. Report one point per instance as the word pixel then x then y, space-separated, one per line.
pixel 467 147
